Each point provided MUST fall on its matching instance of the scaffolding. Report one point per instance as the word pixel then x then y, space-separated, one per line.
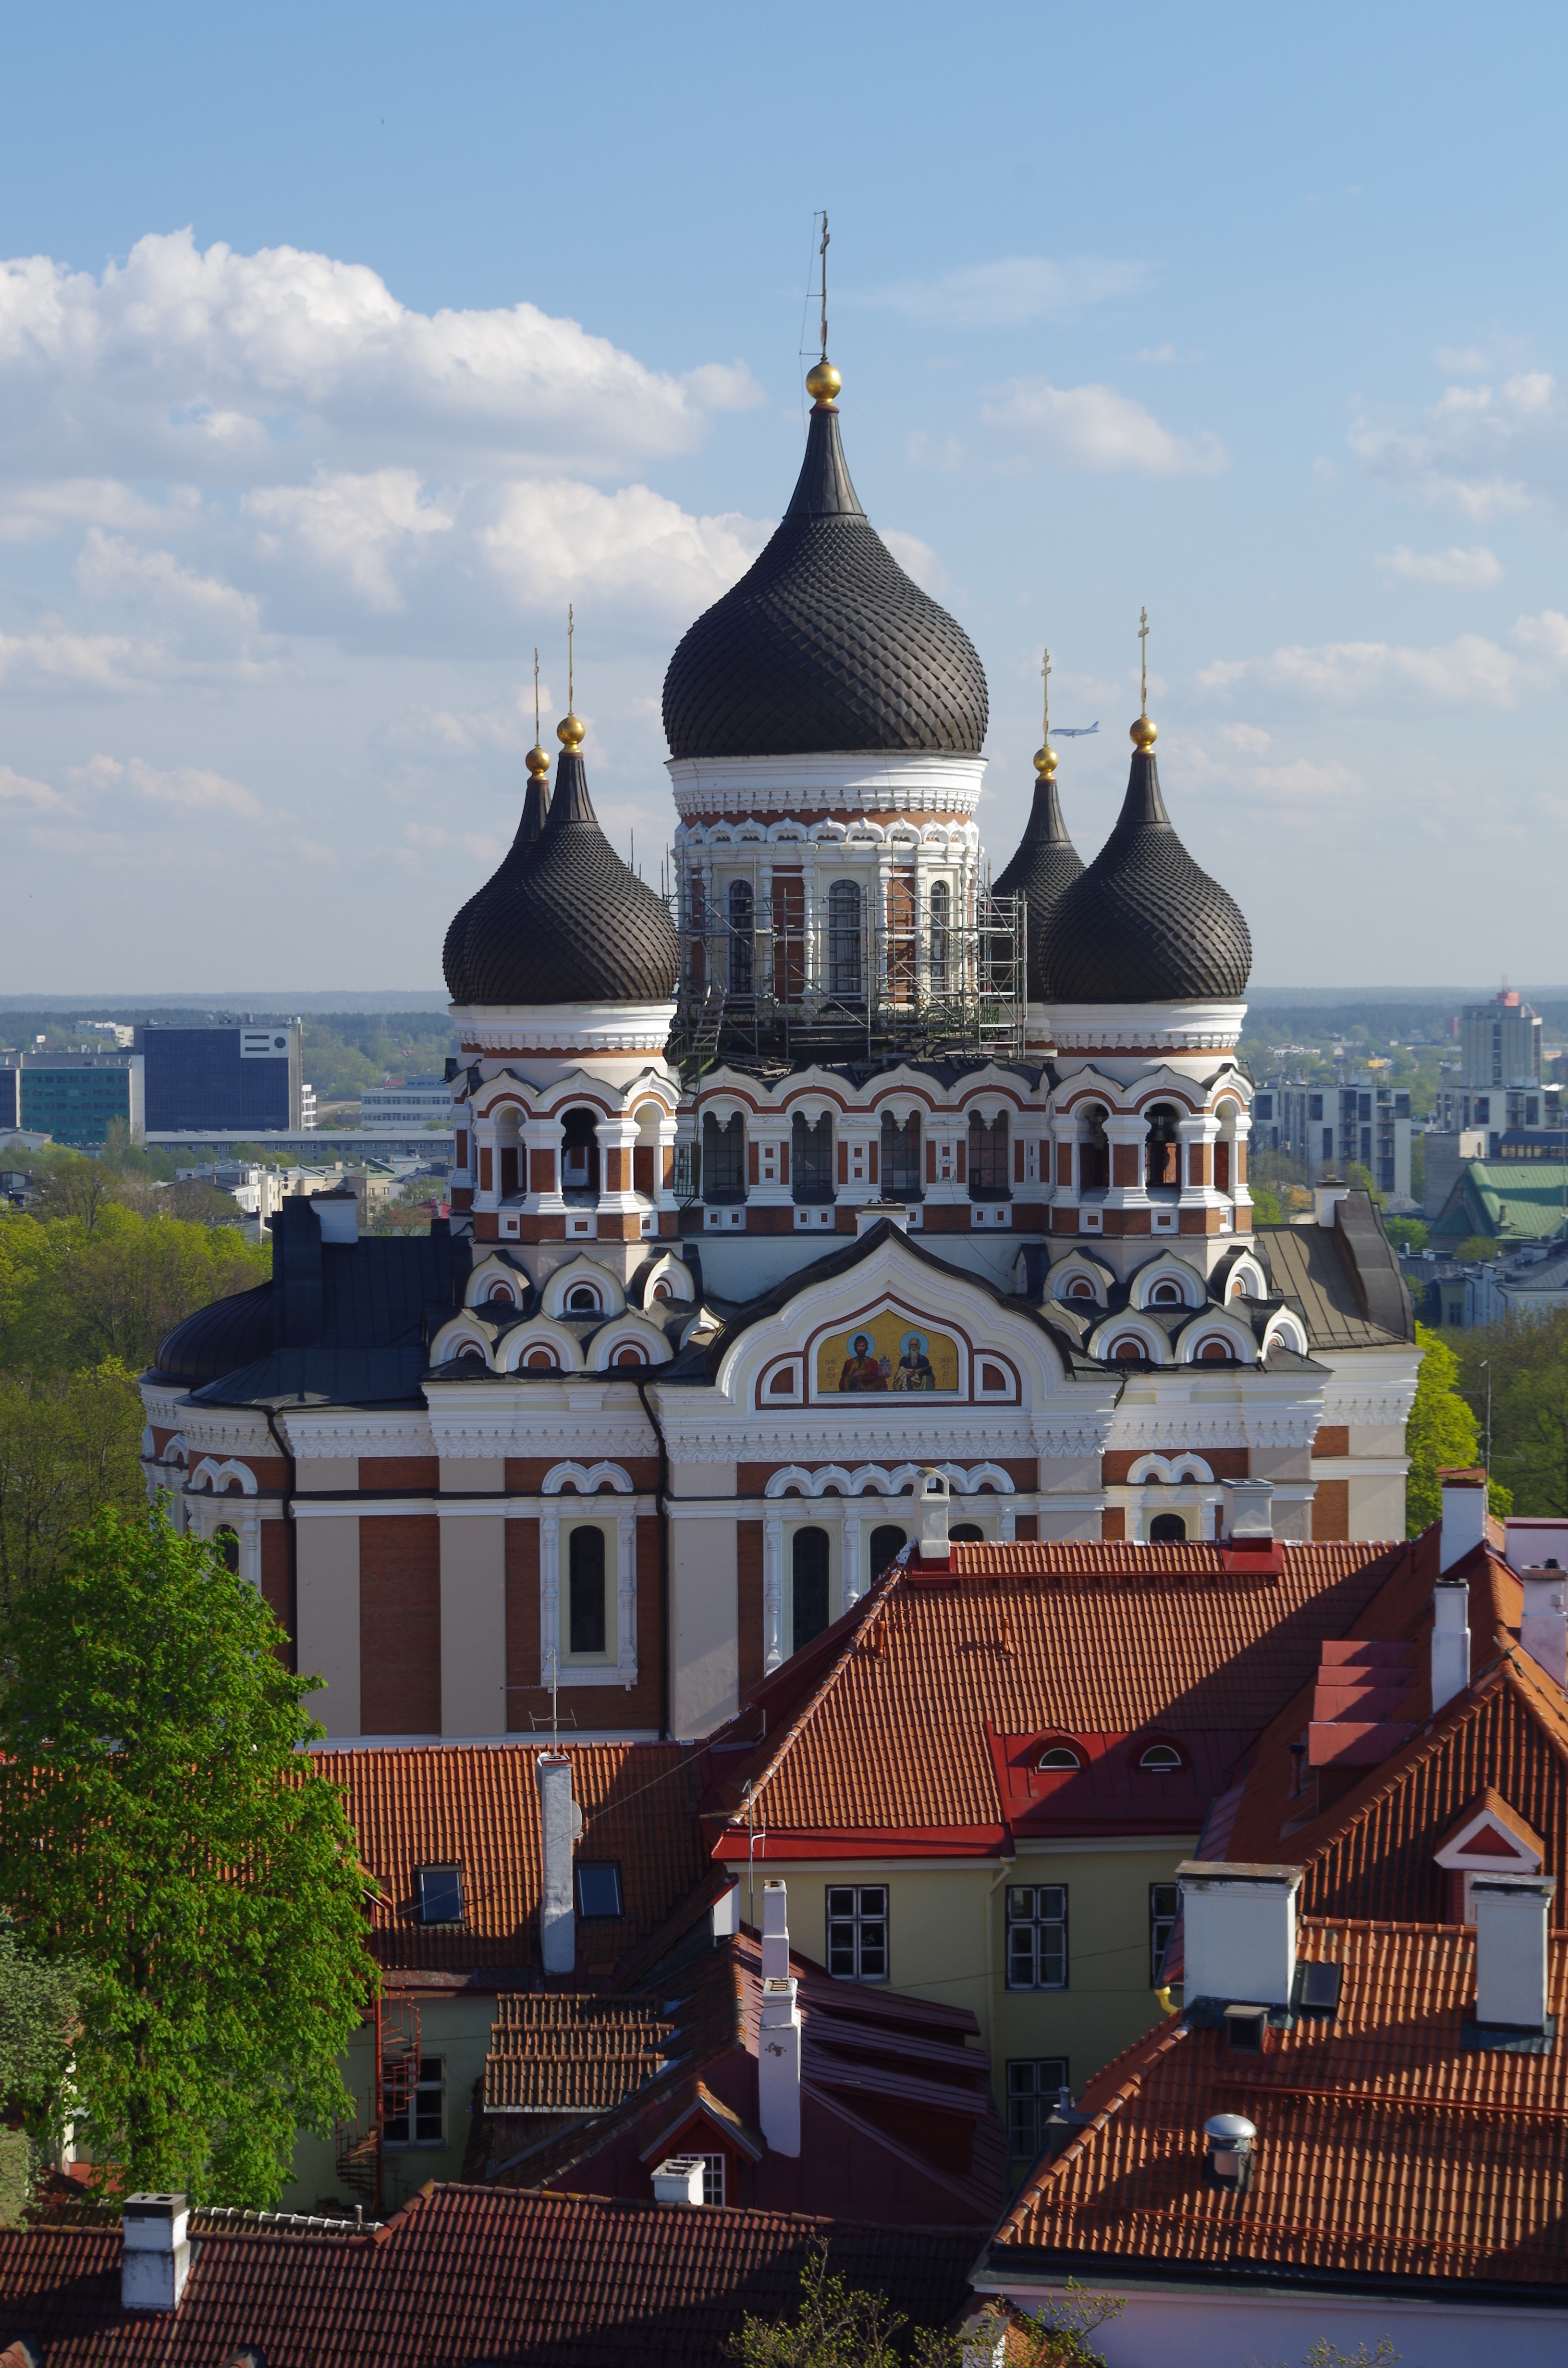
pixel 763 985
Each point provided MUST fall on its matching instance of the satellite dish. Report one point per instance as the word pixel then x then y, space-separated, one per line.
pixel 576 1823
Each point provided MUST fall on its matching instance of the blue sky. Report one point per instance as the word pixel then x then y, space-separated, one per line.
pixel 340 347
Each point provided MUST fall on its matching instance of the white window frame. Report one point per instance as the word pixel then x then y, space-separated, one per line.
pixel 1040 2096
pixel 713 2167
pixel 1020 1921
pixel 412 2144
pixel 861 1920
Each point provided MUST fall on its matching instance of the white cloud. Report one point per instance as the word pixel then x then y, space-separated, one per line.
pixel 110 568
pixel 1155 354
pixel 1462 361
pixel 1476 569
pixel 36 513
pixel 1470 670
pixel 358 530
pixel 57 659
pixel 916 559
pixel 556 539
pixel 1095 428
pixel 16 789
pixel 1248 737
pixel 1487 451
pixel 1009 293
pixel 191 787
pixel 722 386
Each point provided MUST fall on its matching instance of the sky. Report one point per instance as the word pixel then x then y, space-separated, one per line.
pixel 341 347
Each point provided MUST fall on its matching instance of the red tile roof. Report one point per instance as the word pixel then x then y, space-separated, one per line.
pixel 884 1728
pixel 1385 2149
pixel 478 1808
pixel 464 2275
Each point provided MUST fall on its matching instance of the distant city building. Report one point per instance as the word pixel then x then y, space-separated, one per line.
pixel 72 1096
pixel 120 1036
pixel 1501 1081
pixel 307 1106
pixel 406 1102
pixel 201 1080
pixel 1326 1127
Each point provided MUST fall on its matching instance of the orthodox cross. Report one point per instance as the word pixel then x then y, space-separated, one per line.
pixel 571 628
pixel 1045 679
pixel 536 698
pixel 823 253
pixel 1144 637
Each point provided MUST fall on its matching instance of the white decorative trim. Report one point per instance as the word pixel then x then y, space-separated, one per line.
pixel 567 1674
pixel 217 1476
pixel 880 1480
pixel 587 1478
pixel 331 1438
pixel 1169 1472
pixel 1197 1027
pixel 591 1027
pixel 889 781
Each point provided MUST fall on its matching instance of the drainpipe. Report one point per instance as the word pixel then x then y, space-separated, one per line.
pixel 990 2010
pixel 292 1536
pixel 661 1498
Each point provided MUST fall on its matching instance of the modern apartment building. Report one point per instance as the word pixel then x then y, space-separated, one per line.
pixel 70 1096
pixel 1360 1121
pixel 204 1080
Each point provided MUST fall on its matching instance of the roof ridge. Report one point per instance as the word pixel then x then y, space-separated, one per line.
pixel 874 1603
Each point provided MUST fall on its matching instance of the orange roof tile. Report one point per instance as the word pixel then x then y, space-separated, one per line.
pixel 1384 2148
pixel 890 1734
pixel 477 1808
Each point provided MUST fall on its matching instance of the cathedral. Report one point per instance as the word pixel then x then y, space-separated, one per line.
pixel 842 1118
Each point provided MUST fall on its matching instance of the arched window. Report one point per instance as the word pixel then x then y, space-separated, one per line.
pixel 585 1588
pixel 1080 1288
pixel 1167 1529
pixel 630 1356
pixel 1059 1759
pixel 582 1300
pixel 1165 1294
pixel 807 1586
pixel 967 1533
pixel 988 1178
pixel 228 1544
pixel 1216 1352
pixel 471 1353
pixel 888 1542
pixel 811 1158
pixel 743 947
pixel 1163 1148
pixel 941 923
pixel 1128 1351
pixel 1160 1759
pixel 845 970
pixel 500 1295
pixel 541 1361
pixel 579 1155
pixel 1094 1152
pixel 901 1158
pixel 723 1158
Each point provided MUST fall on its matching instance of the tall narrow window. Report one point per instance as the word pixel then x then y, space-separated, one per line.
pixel 586 1583
pixel 901 1158
pixel 811 1158
pixel 887 1544
pixel 227 1542
pixel 988 1156
pixel 742 914
pixel 1164 1901
pixel 845 972
pixel 808 1583
pixel 723 1157
pixel 941 925
pixel 1034 2087
pixel 857 1931
pixel 1036 1937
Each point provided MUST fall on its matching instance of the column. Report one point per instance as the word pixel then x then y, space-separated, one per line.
pixel 249 1527
pixel 626 1603
pixel 849 1549
pixel 1067 1171
pixel 548 1590
pixel 768 1135
pixel 1128 1135
pixel 860 1134
pixel 772 1592
pixel 542 1138
pixel 617 1206
pixel 473 1624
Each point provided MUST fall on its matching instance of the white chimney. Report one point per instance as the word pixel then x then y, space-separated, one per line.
pixel 1450 1638
pixel 1238 1931
pixel 1464 1514
pixel 678 2180
pixel 778 2067
pixel 1327 1198
pixel 557 1923
pixel 936 1501
pixel 875 1211
pixel 775 1931
pixel 337 1213
pixel 157 2259
pixel 1248 1512
pixel 726 1914
pixel 1544 1629
pixel 1511 1913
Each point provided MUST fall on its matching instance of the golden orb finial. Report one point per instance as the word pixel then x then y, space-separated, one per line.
pixel 822 383
pixel 572 732
pixel 1045 761
pixel 538 761
pixel 1144 734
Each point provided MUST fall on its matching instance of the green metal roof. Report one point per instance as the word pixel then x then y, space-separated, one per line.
pixel 1516 1200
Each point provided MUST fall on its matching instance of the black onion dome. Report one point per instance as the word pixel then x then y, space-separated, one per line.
pixel 1044 867
pixel 219 1338
pixel 530 829
pixel 567 923
pixel 1143 923
pixel 825 643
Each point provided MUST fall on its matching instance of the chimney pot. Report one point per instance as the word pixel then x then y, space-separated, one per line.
pixel 1228 2140
pixel 1327 1193
pixel 1464 1514
pixel 1543 1633
pixel 1239 1931
pixel 1511 1957
pixel 778 2066
pixel 557 1920
pixel 775 1931
pixel 1248 1511
pixel 155 2263
pixel 678 2180
pixel 1451 1640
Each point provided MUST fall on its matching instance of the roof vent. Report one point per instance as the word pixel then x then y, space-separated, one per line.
pixel 678 2180
pixel 1229 2140
pixel 157 2259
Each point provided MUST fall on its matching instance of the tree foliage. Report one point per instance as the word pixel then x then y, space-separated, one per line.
pixel 158 1823
pixel 87 1277
pixel 40 2013
pixel 1527 1359
pixel 67 1449
pixel 1441 1434
pixel 838 2325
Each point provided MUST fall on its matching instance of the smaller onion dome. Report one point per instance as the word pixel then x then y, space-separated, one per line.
pixel 530 829
pixel 1045 865
pixel 564 921
pixel 1143 923
pixel 220 1338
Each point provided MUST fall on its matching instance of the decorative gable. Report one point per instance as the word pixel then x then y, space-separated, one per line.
pixel 1489 1837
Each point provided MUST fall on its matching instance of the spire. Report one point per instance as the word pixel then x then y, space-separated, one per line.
pixel 571 731
pixel 536 803
pixel 1045 755
pixel 1143 733
pixel 1142 805
pixel 824 488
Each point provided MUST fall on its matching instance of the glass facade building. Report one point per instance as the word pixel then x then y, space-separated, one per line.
pixel 72 1097
pixel 245 1080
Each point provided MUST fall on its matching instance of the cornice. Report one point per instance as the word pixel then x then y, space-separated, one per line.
pixel 319 1437
pixel 884 782
pixel 592 1029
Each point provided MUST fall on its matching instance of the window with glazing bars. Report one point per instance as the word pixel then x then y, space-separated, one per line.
pixel 1034 2089
pixel 1164 1899
pixel 901 1158
pixel 723 1157
pixel 857 1931
pixel 810 1159
pixel 423 2120
pixel 988 1153
pixel 846 972
pixel 1036 1937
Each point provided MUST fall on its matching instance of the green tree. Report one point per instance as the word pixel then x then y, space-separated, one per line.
pixel 838 2325
pixel 67 1449
pixel 1442 1434
pixel 1406 1233
pixel 1527 1357
pixel 157 1822
pixel 1265 1208
pixel 73 1292
pixel 39 2016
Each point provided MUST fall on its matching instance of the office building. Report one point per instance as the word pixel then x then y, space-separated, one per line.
pixel 72 1096
pixel 1359 1123
pixel 204 1080
pixel 406 1102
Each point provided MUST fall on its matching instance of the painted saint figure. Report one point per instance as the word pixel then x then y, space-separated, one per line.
pixel 916 1371
pixel 863 1369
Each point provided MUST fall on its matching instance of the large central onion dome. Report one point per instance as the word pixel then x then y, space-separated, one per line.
pixel 825 645
pixel 564 921
pixel 1043 868
pixel 1143 923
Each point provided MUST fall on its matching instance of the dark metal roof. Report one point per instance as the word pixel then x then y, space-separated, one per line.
pixel 1143 923
pixel 825 643
pixel 567 923
pixel 530 830
pixel 1045 865
pixel 219 1338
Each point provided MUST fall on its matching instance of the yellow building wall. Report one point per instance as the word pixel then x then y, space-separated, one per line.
pixel 455 2028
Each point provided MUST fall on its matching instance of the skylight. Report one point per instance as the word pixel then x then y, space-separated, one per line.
pixel 440 1894
pixel 598 1891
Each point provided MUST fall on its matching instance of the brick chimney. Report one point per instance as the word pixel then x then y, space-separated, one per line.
pixel 1544 1631
pixel 1464 1514
pixel 157 2259
pixel 1512 1913
pixel 1239 1931
pixel 1450 1639
pixel 557 1921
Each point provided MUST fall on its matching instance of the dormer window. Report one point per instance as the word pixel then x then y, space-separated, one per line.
pixel 582 1300
pixel 1165 1294
pixel 1059 1759
pixel 1160 1759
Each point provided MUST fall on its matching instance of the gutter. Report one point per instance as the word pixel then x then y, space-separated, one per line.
pixel 293 1535
pixel 666 1609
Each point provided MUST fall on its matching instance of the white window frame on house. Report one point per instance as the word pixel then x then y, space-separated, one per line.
pixel 857 1931
pixel 425 2086
pixel 1030 1924
pixel 1031 2103
pixel 1162 1912
pixel 558 1516
pixel 712 2178
pixel 606 1659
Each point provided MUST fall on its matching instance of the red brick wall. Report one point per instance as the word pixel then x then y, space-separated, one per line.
pixel 411 1475
pixel 1331 1509
pixel 1113 1523
pixel 275 1572
pixel 400 1625
pixel 748 1574
pixel 1025 1529
pixel 1333 1438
